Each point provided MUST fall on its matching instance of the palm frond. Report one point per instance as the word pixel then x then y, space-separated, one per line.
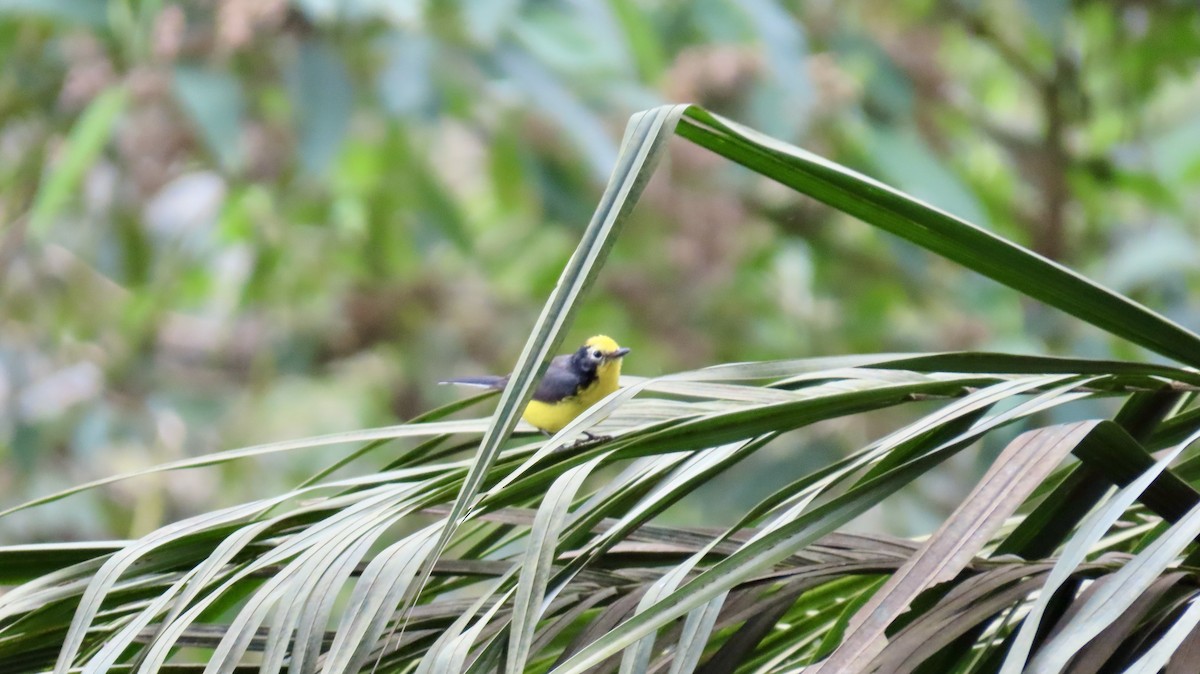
pixel 545 555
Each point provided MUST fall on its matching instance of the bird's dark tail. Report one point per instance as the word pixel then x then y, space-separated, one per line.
pixel 492 382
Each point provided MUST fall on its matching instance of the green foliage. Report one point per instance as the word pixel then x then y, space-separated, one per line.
pixel 530 556
pixel 230 223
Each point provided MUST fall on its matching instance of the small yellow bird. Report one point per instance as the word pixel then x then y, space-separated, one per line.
pixel 573 382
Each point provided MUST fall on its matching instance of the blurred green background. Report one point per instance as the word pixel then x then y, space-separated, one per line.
pixel 228 222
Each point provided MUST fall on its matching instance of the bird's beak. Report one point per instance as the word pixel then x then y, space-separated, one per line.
pixel 619 353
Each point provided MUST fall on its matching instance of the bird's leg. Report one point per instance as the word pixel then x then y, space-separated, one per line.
pixel 589 439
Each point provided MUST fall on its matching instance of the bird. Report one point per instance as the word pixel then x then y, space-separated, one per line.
pixel 573 382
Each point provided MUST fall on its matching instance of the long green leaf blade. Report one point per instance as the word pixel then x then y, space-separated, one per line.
pixel 931 228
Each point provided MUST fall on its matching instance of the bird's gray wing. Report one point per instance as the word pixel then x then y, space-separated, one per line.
pixel 559 382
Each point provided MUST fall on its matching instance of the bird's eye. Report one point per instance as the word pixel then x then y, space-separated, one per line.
pixel 597 354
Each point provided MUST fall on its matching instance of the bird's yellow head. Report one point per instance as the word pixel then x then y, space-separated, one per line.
pixel 606 344
pixel 604 354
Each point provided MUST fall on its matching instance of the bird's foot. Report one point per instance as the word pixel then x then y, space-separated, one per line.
pixel 589 440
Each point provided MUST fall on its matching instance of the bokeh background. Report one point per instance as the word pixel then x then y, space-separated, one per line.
pixel 228 222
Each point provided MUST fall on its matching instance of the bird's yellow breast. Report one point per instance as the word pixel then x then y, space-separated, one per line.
pixel 552 417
